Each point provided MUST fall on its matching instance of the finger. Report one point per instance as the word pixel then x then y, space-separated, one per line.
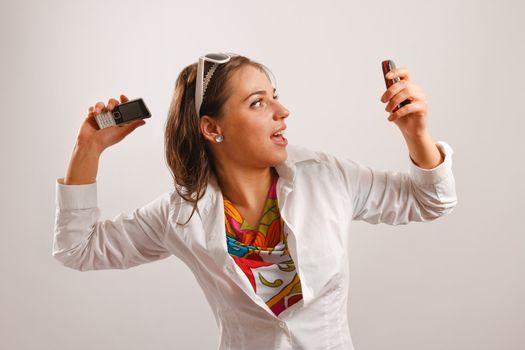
pixel 112 103
pixel 90 119
pixel 91 112
pixel 397 99
pixel 401 73
pixel 132 124
pixel 90 115
pixel 99 107
pixel 123 98
pixel 405 94
pixel 414 107
pixel 127 128
pixel 393 90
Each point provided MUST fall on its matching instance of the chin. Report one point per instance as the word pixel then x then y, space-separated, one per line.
pixel 279 157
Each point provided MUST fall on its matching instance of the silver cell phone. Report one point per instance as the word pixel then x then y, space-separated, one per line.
pixel 123 113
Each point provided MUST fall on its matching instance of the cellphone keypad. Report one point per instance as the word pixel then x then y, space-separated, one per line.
pixel 105 120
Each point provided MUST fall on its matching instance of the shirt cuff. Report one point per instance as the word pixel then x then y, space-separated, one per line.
pixel 75 196
pixel 437 174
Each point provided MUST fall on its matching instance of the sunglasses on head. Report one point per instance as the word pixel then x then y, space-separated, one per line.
pixel 205 69
pixel 204 79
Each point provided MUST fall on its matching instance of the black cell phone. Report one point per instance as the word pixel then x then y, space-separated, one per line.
pixel 387 66
pixel 123 113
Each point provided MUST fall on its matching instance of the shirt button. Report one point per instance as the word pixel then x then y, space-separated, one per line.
pixel 282 324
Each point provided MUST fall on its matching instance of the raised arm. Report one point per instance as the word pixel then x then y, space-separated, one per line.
pixel 84 242
pixel 92 141
pixel 396 198
pixel 81 240
pixel 425 192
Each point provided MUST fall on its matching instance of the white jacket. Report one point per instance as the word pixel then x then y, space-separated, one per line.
pixel 318 195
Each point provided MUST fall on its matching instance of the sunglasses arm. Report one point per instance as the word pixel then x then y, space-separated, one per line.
pixel 198 88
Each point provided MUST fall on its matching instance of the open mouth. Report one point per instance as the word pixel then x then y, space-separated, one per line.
pixel 279 138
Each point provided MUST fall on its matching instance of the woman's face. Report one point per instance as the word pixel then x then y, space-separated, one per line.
pixel 251 117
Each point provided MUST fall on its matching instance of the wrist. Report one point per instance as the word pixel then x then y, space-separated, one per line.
pixel 422 136
pixel 83 165
pixel 87 149
pixel 423 151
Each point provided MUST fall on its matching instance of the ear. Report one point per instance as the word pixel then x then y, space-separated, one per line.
pixel 209 128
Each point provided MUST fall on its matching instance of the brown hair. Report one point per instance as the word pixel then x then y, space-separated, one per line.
pixel 187 154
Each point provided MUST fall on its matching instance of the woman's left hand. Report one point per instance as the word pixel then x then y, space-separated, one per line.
pixel 411 118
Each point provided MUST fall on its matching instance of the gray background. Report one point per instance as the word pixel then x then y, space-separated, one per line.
pixel 455 283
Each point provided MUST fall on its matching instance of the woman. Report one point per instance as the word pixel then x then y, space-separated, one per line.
pixel 263 226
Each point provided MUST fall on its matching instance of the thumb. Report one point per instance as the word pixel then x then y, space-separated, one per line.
pixel 138 122
pixel 129 127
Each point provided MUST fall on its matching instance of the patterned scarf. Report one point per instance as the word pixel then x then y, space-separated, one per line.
pixel 262 253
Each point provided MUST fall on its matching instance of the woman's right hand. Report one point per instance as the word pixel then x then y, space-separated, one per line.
pixel 89 134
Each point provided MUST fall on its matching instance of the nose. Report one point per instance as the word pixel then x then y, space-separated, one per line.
pixel 280 111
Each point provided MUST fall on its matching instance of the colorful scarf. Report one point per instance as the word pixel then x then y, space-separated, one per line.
pixel 262 253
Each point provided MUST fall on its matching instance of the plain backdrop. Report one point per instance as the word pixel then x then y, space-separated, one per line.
pixel 456 283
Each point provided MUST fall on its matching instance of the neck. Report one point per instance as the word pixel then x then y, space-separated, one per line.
pixel 244 187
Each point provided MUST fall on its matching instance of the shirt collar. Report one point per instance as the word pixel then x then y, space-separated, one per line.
pixel 296 155
pixel 287 171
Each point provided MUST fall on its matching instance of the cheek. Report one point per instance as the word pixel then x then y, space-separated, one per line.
pixel 251 133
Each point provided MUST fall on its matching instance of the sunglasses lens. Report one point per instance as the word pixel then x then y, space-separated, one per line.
pixel 217 56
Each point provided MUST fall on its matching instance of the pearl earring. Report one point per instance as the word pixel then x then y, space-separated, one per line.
pixel 219 138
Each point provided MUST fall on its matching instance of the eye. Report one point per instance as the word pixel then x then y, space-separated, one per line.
pixel 275 97
pixel 257 101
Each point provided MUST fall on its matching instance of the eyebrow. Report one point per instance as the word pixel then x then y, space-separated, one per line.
pixel 259 92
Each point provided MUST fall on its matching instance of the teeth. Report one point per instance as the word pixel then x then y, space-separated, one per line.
pixel 278 133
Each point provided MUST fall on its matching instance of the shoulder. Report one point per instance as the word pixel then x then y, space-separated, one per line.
pixel 301 154
pixel 315 163
pixel 305 162
pixel 298 154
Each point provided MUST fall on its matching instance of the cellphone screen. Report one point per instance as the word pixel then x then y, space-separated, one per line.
pixel 133 110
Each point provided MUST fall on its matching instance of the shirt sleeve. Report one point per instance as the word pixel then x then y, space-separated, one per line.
pixel 397 198
pixel 83 242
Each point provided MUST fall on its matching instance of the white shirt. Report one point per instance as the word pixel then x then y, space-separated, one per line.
pixel 318 196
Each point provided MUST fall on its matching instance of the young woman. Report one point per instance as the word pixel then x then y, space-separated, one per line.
pixel 263 225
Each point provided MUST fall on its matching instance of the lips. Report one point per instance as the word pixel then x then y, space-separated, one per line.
pixel 278 137
pixel 279 131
